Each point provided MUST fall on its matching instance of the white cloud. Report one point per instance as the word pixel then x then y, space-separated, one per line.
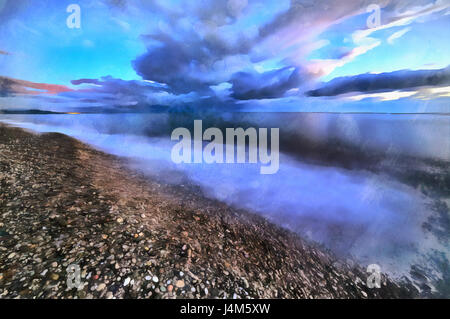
pixel 384 96
pixel 397 35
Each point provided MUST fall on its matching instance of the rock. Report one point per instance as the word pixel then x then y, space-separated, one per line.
pixel 101 287
pixel 179 283
pixel 169 288
pixel 127 281
pixel 148 278
pixel 155 279
pixel 54 276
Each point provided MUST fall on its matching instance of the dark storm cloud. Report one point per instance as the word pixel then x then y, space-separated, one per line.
pixel 169 64
pixel 186 64
pixel 189 53
pixel 271 84
pixel 399 80
pixel 186 55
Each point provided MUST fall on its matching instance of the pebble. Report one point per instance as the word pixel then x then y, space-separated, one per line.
pixel 179 283
pixel 148 278
pixel 169 288
pixel 127 281
pixel 54 276
pixel 54 264
pixel 155 279
pixel 101 287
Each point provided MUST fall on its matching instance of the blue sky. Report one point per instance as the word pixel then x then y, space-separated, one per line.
pixel 224 53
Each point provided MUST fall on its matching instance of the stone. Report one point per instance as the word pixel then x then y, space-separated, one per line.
pixel 101 287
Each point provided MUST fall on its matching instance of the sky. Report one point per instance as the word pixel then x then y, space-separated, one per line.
pixel 298 55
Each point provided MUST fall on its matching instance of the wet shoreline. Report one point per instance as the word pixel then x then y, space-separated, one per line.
pixel 65 203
